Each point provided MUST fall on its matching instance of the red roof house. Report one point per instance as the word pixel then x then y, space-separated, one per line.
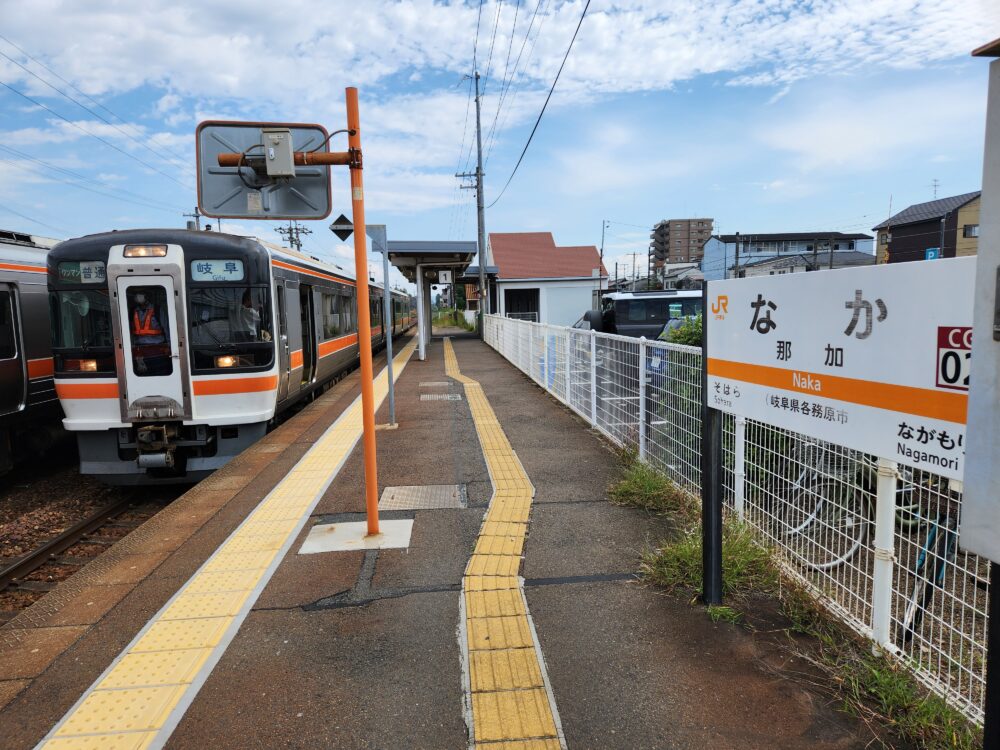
pixel 537 280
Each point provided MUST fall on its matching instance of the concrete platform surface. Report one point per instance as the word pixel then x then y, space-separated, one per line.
pixel 529 630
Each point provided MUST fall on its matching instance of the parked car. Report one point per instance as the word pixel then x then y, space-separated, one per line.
pixel 639 314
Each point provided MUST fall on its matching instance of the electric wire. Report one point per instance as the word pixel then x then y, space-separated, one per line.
pixel 99 116
pixel 183 159
pixel 497 127
pixel 545 105
pixel 6 207
pixel 77 181
pixel 489 59
pixel 83 130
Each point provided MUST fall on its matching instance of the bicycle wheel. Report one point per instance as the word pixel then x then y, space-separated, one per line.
pixel 824 524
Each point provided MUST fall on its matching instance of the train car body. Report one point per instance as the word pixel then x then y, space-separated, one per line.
pixel 174 350
pixel 29 409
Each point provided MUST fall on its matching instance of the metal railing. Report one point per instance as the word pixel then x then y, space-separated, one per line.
pixel 875 542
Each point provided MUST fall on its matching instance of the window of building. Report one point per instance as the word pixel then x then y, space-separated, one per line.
pixel 970 230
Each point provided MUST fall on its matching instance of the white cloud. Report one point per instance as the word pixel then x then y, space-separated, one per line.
pixel 834 132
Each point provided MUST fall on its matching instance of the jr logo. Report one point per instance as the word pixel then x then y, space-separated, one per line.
pixel 719 306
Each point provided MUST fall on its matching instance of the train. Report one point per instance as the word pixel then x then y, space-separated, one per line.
pixel 173 350
pixel 29 408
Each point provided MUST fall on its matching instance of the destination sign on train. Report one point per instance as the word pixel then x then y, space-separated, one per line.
pixel 874 358
pixel 217 270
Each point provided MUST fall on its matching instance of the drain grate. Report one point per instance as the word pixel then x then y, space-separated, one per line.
pixel 424 497
pixel 440 397
pixel 435 384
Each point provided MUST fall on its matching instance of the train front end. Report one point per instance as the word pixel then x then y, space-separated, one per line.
pixel 163 351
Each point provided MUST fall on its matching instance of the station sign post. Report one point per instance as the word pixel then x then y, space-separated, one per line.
pixel 979 530
pixel 269 171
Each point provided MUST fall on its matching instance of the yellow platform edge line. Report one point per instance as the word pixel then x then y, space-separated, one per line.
pixel 173 673
pixel 508 699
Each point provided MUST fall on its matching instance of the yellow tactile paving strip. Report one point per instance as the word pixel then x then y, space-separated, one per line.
pixel 142 696
pixel 512 707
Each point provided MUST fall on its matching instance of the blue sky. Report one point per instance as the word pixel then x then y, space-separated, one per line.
pixel 767 115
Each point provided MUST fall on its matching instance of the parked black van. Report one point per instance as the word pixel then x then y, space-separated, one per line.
pixel 639 314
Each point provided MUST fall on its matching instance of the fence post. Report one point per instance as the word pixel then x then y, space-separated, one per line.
pixel 569 365
pixel 642 398
pixel 548 358
pixel 739 468
pixel 885 524
pixel 593 377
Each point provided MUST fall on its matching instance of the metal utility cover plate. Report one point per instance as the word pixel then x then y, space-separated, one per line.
pixel 435 384
pixel 222 194
pixel 440 397
pixel 423 497
pixel 345 537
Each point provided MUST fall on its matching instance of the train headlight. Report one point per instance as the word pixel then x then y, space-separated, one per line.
pixel 81 365
pixel 226 360
pixel 145 251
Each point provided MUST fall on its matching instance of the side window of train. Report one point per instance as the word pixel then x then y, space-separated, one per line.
pixel 347 301
pixel 331 314
pixel 8 331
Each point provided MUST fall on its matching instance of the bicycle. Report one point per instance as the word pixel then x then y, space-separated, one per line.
pixel 827 513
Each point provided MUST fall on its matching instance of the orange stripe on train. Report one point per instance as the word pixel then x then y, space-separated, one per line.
pixel 235 385
pixel 329 347
pixel 20 267
pixel 70 390
pixel 40 368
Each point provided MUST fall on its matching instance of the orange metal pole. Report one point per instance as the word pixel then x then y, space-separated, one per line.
pixel 364 312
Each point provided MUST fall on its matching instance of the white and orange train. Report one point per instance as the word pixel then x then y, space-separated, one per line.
pixel 174 349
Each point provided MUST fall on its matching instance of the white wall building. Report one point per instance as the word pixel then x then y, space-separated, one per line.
pixel 539 281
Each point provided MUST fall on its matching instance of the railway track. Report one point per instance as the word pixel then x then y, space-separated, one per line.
pixel 30 576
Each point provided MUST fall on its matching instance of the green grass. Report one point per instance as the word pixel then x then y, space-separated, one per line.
pixel 642 486
pixel 747 566
pixel 875 688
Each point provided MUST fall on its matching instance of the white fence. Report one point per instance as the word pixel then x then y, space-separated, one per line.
pixel 877 543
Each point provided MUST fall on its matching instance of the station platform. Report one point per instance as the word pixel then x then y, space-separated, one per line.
pixel 511 618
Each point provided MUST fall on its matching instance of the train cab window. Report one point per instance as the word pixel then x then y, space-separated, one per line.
pixel 8 332
pixel 82 340
pixel 149 332
pixel 230 328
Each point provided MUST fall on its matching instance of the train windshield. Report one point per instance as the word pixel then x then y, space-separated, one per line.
pixel 230 328
pixel 82 339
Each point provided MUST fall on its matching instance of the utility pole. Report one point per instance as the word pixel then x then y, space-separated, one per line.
pixel 600 281
pixel 196 216
pixel 736 274
pixel 293 233
pixel 484 296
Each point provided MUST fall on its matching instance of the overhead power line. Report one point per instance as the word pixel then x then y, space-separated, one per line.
pixel 83 182
pixel 506 92
pixel 83 130
pixel 6 208
pixel 181 158
pixel 545 105
pixel 84 107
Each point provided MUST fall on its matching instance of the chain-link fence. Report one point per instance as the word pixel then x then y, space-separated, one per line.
pixel 875 542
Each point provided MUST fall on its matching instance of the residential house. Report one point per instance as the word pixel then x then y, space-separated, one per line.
pixel 536 280
pixel 782 264
pixel 942 228
pixel 722 261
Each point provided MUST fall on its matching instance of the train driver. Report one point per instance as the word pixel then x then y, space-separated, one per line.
pixel 150 349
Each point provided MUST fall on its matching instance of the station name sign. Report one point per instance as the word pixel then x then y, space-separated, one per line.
pixel 875 358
